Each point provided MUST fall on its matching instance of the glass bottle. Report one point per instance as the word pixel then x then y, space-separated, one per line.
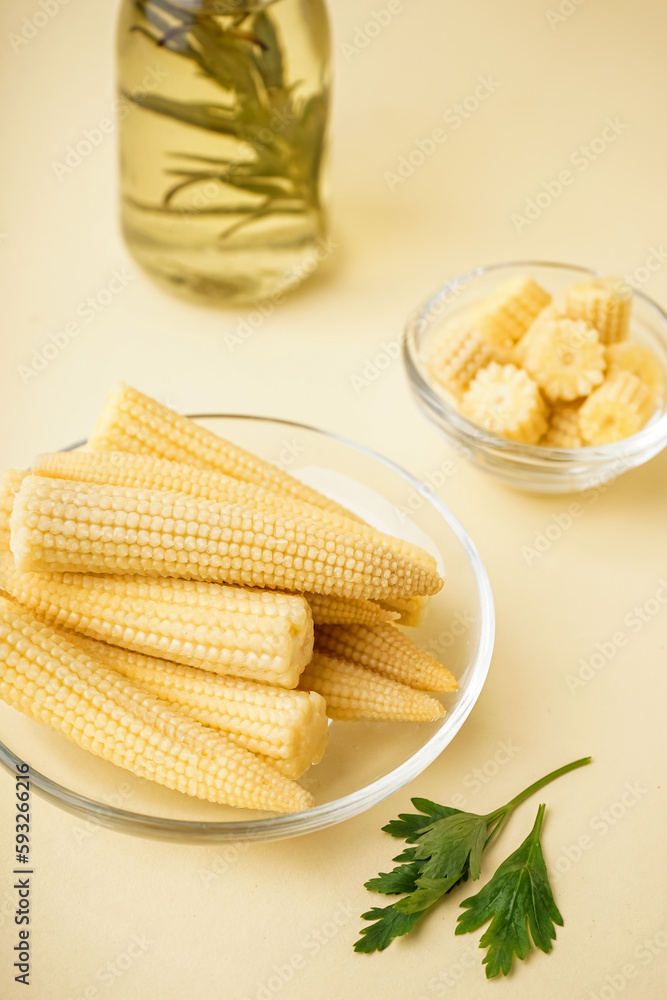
pixel 223 109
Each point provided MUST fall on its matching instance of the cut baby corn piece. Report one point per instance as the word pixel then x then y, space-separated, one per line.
pixel 604 303
pixel 458 354
pixel 552 312
pixel 563 430
pixel 131 421
pixel 409 611
pixel 619 408
pixel 50 680
pixel 288 727
pixel 639 361
pixel 504 316
pixel 354 692
pixel 257 634
pixel 348 611
pixel 10 484
pixel 147 471
pixel 386 650
pixel 505 400
pixel 82 527
pixel 566 360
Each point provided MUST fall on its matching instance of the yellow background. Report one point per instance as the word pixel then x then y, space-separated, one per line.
pixel 212 922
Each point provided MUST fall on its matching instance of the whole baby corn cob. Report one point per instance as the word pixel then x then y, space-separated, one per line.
pixel 257 634
pixel 10 484
pixel 48 679
pixel 504 315
pixel 354 692
pixel 639 361
pixel 604 303
pixel 131 421
pixel 80 527
pixel 348 611
pixel 619 408
pixel 566 359
pixel 457 356
pixel 387 651
pixel 504 399
pixel 149 472
pixel 563 430
pixel 288 727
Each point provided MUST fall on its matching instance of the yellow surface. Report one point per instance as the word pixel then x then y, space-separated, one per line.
pixel 126 919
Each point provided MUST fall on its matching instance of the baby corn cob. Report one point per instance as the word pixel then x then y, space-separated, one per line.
pixel 256 634
pixel 48 679
pixel 118 468
pixel 566 359
pixel 505 315
pixel 387 651
pixel 353 692
pixel 604 303
pixel 620 407
pixel 348 611
pixel 505 400
pixel 289 727
pixel 10 484
pixel 458 355
pixel 563 430
pixel 57 526
pixel 639 361
pixel 130 421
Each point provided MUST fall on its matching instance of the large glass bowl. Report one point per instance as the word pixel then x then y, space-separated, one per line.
pixel 530 467
pixel 365 761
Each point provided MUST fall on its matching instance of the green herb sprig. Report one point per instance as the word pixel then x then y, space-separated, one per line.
pixel 449 845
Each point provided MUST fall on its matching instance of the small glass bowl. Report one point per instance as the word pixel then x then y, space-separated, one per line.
pixel 531 467
pixel 365 761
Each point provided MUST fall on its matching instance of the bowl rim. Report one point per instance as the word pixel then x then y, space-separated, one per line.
pixel 275 827
pixel 652 434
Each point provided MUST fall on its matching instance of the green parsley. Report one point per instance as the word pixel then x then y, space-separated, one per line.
pixel 448 848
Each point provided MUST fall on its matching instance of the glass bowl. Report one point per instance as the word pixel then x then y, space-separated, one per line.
pixel 365 761
pixel 530 467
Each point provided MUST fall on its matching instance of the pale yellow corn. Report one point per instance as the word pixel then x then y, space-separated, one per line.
pixel 566 359
pixel 131 421
pixel 149 472
pixel 604 303
pixel 386 650
pixel 10 484
pixel 51 681
pixel 256 634
pixel 289 727
pixel 504 315
pixel 457 356
pixel 563 430
pixel 555 311
pixel 354 692
pixel 348 611
pixel 505 400
pixel 82 527
pixel 409 611
pixel 618 409
pixel 639 361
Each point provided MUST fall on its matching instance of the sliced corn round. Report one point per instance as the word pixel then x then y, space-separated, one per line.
pixel 504 399
pixel 566 359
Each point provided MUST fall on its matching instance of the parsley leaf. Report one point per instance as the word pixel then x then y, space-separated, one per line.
pixel 519 899
pixel 389 924
pixel 401 879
